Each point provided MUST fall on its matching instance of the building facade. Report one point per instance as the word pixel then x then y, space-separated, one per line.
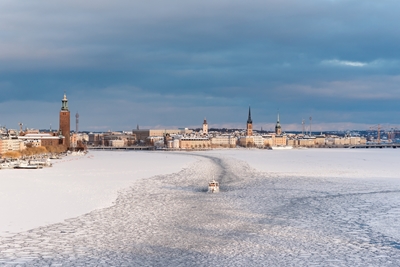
pixel 223 141
pixel 143 134
pixel 194 143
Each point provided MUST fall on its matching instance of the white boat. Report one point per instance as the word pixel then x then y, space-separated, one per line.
pixel 42 163
pixel 281 147
pixel 213 187
pixel 6 165
pixel 24 165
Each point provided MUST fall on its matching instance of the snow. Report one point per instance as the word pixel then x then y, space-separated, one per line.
pixel 351 163
pixel 74 186
pixel 322 207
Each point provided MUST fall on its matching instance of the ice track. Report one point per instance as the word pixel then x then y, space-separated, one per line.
pixel 258 219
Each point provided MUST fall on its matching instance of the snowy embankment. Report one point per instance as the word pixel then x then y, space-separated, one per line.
pixel 75 185
pixel 275 208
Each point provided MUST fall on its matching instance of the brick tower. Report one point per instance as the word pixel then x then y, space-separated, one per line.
pixel 65 118
pixel 249 131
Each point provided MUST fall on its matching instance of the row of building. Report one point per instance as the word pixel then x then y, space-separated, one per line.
pixel 203 139
pixel 12 140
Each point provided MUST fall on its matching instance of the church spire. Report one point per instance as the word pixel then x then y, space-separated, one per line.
pixel 249 118
pixel 278 128
pixel 249 130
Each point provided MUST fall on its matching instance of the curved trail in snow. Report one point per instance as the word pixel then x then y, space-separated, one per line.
pixel 256 220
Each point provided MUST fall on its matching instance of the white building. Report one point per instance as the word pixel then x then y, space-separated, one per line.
pixel 10 144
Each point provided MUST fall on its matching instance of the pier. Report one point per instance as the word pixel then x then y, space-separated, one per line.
pixel 388 145
pixel 122 148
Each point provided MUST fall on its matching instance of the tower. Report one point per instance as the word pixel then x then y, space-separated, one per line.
pixel 249 130
pixel 77 122
pixel 205 127
pixel 278 128
pixel 65 120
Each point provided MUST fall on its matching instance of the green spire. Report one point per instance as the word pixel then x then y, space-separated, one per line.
pixel 64 103
pixel 278 125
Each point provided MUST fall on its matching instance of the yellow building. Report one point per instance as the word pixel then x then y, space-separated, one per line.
pixel 246 141
pixel 279 140
pixel 223 141
pixel 194 143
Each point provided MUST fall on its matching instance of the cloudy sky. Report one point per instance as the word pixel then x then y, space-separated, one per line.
pixel 163 64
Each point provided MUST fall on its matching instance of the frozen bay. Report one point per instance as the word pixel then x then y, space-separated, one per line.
pixel 74 186
pixel 276 208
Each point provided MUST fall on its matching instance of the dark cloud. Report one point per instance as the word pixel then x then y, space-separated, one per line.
pixel 338 59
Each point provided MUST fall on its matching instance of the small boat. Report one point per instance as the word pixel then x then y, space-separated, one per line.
pixel 213 187
pixel 6 165
pixel 281 147
pixel 26 166
pixel 41 163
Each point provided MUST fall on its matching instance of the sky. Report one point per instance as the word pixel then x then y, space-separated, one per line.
pixel 165 64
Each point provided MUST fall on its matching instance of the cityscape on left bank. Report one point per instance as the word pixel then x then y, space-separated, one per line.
pixel 17 143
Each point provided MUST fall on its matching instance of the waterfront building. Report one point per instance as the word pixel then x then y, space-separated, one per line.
pixel 194 143
pixel 143 134
pixel 279 140
pixel 10 144
pixel 41 139
pixel 223 141
pixel 116 143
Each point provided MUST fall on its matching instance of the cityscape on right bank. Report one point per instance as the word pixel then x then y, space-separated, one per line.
pixel 205 138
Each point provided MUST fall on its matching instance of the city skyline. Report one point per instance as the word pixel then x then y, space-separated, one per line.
pixel 163 65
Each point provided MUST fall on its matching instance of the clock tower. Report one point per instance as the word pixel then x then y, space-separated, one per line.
pixel 65 121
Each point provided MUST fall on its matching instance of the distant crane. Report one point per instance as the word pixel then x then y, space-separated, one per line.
pixel 77 122
pixel 302 124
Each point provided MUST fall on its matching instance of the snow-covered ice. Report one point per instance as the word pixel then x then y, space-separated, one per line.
pixel 312 207
pixel 74 186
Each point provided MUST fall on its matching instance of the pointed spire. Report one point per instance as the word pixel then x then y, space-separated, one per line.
pixel 249 118
pixel 278 128
pixel 205 120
